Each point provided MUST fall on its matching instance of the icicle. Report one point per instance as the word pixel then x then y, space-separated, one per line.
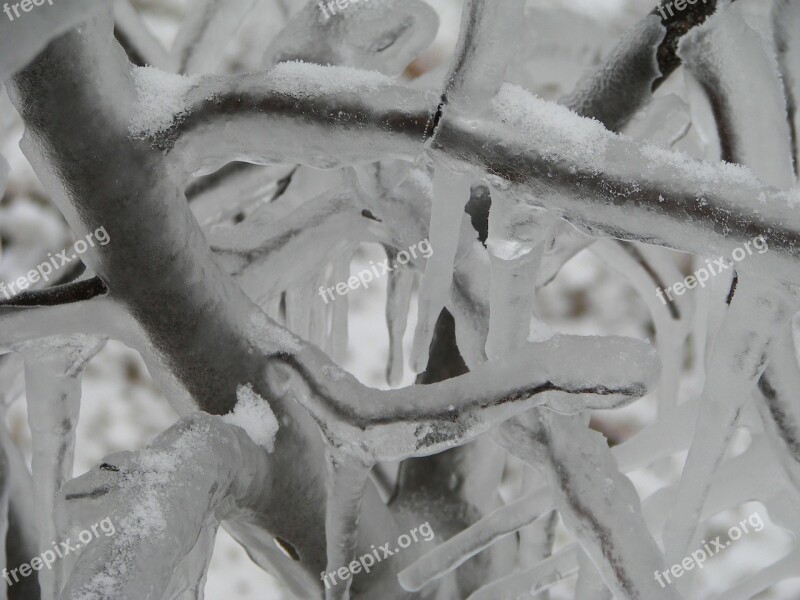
pixel 528 583
pixel 298 308
pixel 53 371
pixel 339 331
pixel 518 237
pixel 21 518
pixel 346 479
pixel 318 315
pixel 451 554
pixel 398 300
pixel 451 194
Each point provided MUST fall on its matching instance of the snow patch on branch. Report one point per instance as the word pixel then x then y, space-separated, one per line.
pixel 253 414
pixel 553 131
pixel 271 338
pixel 160 100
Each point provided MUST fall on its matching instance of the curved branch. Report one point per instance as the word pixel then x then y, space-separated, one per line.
pixel 420 421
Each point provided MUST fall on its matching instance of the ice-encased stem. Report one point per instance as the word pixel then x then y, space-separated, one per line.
pixel 598 504
pixel 736 362
pixel 786 23
pixel 486 44
pixel 728 59
pixel 53 391
pixel 451 554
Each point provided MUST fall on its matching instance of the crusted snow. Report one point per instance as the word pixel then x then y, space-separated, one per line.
pixel 553 131
pixel 271 338
pixel 160 100
pixel 253 414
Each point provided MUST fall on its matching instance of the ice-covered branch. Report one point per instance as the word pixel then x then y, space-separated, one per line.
pixel 752 132
pixel 42 314
pixel 487 42
pixel 255 250
pixel 786 22
pixel 462 546
pixel 192 476
pixel 547 155
pixel 582 371
pixel 582 474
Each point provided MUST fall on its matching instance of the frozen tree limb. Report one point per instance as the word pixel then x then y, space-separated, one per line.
pixel 579 468
pixel 195 474
pixel 254 250
pixel 615 91
pixel 624 187
pixel 486 44
pixel 716 54
pixel 736 364
pixel 786 20
pixel 402 423
pixel 50 312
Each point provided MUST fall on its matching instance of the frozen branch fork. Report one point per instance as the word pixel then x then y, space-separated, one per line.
pixel 213 281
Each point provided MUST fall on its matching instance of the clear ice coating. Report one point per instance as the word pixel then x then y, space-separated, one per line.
pixel 242 154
